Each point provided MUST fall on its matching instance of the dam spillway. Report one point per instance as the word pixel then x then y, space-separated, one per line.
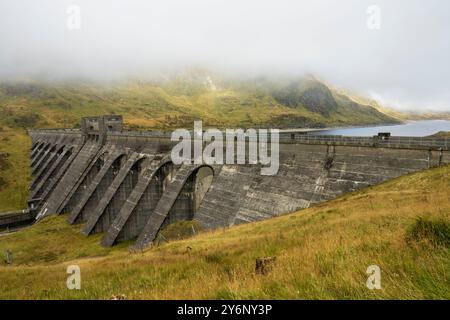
pixel 125 185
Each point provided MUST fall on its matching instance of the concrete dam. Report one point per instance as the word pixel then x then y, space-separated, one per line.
pixel 125 185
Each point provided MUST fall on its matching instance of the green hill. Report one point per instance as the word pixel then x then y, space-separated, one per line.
pixel 322 252
pixel 176 102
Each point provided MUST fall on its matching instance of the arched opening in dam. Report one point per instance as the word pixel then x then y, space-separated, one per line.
pixel 63 157
pixel 87 180
pixel 101 188
pixel 40 154
pixel 121 195
pixel 36 148
pixel 191 195
pixel 44 170
pixel 148 201
pixel 43 160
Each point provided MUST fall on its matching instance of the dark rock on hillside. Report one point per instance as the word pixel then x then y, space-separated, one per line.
pixel 311 94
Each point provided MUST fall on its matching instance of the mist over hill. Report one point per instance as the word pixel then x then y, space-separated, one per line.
pixel 178 99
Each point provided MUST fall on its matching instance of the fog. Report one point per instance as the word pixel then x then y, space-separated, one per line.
pixel 397 52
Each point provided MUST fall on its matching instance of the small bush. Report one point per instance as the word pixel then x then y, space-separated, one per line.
pixel 436 231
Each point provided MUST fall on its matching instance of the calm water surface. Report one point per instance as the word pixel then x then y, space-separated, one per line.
pixel 411 128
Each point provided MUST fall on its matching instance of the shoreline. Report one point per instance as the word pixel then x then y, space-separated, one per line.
pixel 389 125
pixel 349 127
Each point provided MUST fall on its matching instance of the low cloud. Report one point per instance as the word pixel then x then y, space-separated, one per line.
pixel 403 61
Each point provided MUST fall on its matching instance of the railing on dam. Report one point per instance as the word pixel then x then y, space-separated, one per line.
pixel 376 141
pixel 55 131
pixel 295 138
pixel 395 142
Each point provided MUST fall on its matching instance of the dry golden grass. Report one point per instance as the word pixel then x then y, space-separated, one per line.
pixel 322 253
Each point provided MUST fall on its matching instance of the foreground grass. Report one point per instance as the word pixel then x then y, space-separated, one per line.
pixel 14 169
pixel 322 252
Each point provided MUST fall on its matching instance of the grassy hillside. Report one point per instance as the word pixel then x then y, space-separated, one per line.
pixel 177 102
pixel 14 168
pixel 403 115
pixel 322 252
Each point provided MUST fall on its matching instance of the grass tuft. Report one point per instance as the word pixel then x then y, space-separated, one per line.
pixel 434 231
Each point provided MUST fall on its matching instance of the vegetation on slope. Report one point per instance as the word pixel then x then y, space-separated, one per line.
pixel 322 252
pixel 178 101
pixel 403 115
pixel 14 169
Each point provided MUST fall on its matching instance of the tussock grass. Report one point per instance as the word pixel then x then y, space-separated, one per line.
pixel 322 253
pixel 437 231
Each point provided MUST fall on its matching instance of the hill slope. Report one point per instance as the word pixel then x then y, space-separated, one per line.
pixel 321 252
pixel 14 169
pixel 177 102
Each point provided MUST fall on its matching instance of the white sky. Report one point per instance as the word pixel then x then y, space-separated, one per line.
pixel 404 64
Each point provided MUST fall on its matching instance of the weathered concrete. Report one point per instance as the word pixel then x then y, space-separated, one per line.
pixel 124 184
pixel 136 210
pixel 114 197
pixel 162 210
pixel 97 189
pixel 16 219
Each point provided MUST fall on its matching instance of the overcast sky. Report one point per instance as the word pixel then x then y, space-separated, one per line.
pixel 404 63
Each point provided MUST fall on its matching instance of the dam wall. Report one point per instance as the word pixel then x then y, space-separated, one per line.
pixel 123 183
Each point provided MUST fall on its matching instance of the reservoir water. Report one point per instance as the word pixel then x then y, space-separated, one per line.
pixel 410 128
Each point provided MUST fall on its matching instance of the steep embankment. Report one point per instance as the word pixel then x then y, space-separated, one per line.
pixel 322 252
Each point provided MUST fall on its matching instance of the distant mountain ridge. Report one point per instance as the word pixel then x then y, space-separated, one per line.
pixel 178 100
